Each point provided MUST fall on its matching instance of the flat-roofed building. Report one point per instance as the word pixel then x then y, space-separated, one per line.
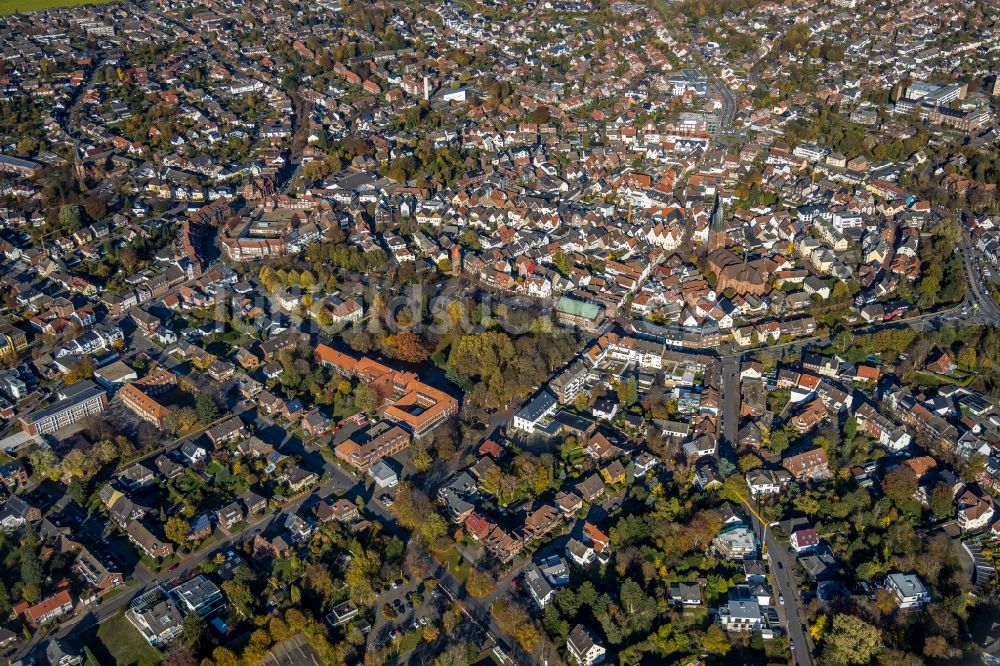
pixel 79 401
pixel 199 595
pixel 910 591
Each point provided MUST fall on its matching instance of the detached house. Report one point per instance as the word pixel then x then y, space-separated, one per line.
pixel 299 479
pixel 540 522
pixel 590 488
pixel 539 589
pixel 764 482
pixel 804 540
pixel 229 515
pixel 159 623
pixel 45 611
pixel 583 648
pixel 342 511
pixel 910 591
pixel 974 512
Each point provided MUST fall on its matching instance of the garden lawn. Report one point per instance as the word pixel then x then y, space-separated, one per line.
pixel 451 563
pixel 118 642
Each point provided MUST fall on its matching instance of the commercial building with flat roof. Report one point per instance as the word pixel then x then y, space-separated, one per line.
pixel 82 399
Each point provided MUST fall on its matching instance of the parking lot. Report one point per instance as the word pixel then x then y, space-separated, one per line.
pixel 403 605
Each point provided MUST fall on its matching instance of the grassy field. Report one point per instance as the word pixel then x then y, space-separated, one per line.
pixel 959 378
pixel 8 7
pixel 456 565
pixel 118 642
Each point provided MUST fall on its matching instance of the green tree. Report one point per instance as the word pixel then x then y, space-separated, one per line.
pixel 239 596
pixel 206 408
pixel 941 500
pixel 177 529
pixel 716 641
pixel 632 391
pixel 44 464
pixel 778 441
pixel 851 641
pixel 360 573
pixel 194 631
pixel 77 490
pixel 366 398
pixel 479 584
pixel 850 428
pixel 975 466
pixel 900 484
pixel 460 654
pixel 749 462
pixel 841 292
pixel 394 549
pixel 69 217
pixel 966 357
pixel 31 573
pixel 224 657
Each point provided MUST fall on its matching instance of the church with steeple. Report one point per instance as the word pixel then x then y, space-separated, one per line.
pixel 717 236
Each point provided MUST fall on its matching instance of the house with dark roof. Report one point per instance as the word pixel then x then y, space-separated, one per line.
pixel 17 511
pixel 252 502
pixel 13 474
pixel 230 429
pixel 540 522
pixel 169 468
pixel 583 648
pixel 229 515
pixel 299 478
pixel 100 573
pixel 158 623
pixel 686 594
pixel 148 543
pixel 341 510
pixel 590 488
pixel 538 408
pixel 536 585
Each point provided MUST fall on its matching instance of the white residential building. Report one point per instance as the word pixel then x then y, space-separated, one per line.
pixel 910 591
pixel 583 648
